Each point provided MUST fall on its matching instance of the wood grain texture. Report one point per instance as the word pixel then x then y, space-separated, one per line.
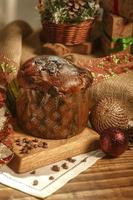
pixel 108 179
pixel 57 150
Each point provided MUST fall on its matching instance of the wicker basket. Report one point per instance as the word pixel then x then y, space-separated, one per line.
pixel 68 34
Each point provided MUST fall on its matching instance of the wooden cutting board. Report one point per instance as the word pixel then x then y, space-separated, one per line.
pixel 57 150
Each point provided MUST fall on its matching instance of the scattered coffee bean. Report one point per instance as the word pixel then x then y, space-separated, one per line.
pixel 25 151
pixel 35 145
pixel 51 178
pixel 26 145
pixel 72 160
pixel 21 148
pixel 33 172
pixel 21 152
pixel 24 140
pixel 17 140
pixel 64 166
pixel 55 168
pixel 40 144
pixel 35 140
pixel 21 142
pixel 35 182
pixel 29 147
pixel 18 144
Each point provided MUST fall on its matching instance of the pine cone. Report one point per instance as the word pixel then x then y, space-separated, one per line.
pixel 74 6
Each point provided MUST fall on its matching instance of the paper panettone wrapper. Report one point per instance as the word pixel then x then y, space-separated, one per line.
pixel 123 8
pixel 116 26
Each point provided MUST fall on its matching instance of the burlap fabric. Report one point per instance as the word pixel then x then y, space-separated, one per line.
pixel 32 46
pixel 119 86
pixel 11 38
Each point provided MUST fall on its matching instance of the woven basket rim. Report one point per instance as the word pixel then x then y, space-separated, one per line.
pixel 68 24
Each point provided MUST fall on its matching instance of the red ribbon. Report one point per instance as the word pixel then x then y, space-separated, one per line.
pixel 116 7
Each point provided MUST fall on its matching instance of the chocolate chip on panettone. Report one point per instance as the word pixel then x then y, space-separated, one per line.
pixel 107 113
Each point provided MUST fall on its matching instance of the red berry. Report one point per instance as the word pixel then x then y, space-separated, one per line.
pixel 113 141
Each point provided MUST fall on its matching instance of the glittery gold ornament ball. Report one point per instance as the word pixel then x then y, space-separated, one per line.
pixel 108 113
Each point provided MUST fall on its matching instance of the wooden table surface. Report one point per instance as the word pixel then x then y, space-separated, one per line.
pixel 109 179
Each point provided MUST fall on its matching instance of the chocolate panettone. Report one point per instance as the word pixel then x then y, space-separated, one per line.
pixel 53 101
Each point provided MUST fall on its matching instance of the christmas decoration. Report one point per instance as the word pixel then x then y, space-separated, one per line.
pixel 117 33
pixel 103 68
pixel 8 72
pixel 67 11
pixel 68 22
pixel 113 142
pixel 108 112
pixel 6 131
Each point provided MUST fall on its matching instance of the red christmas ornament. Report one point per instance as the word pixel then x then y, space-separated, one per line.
pixel 113 141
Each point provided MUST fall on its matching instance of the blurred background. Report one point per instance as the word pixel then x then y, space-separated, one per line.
pixel 19 9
